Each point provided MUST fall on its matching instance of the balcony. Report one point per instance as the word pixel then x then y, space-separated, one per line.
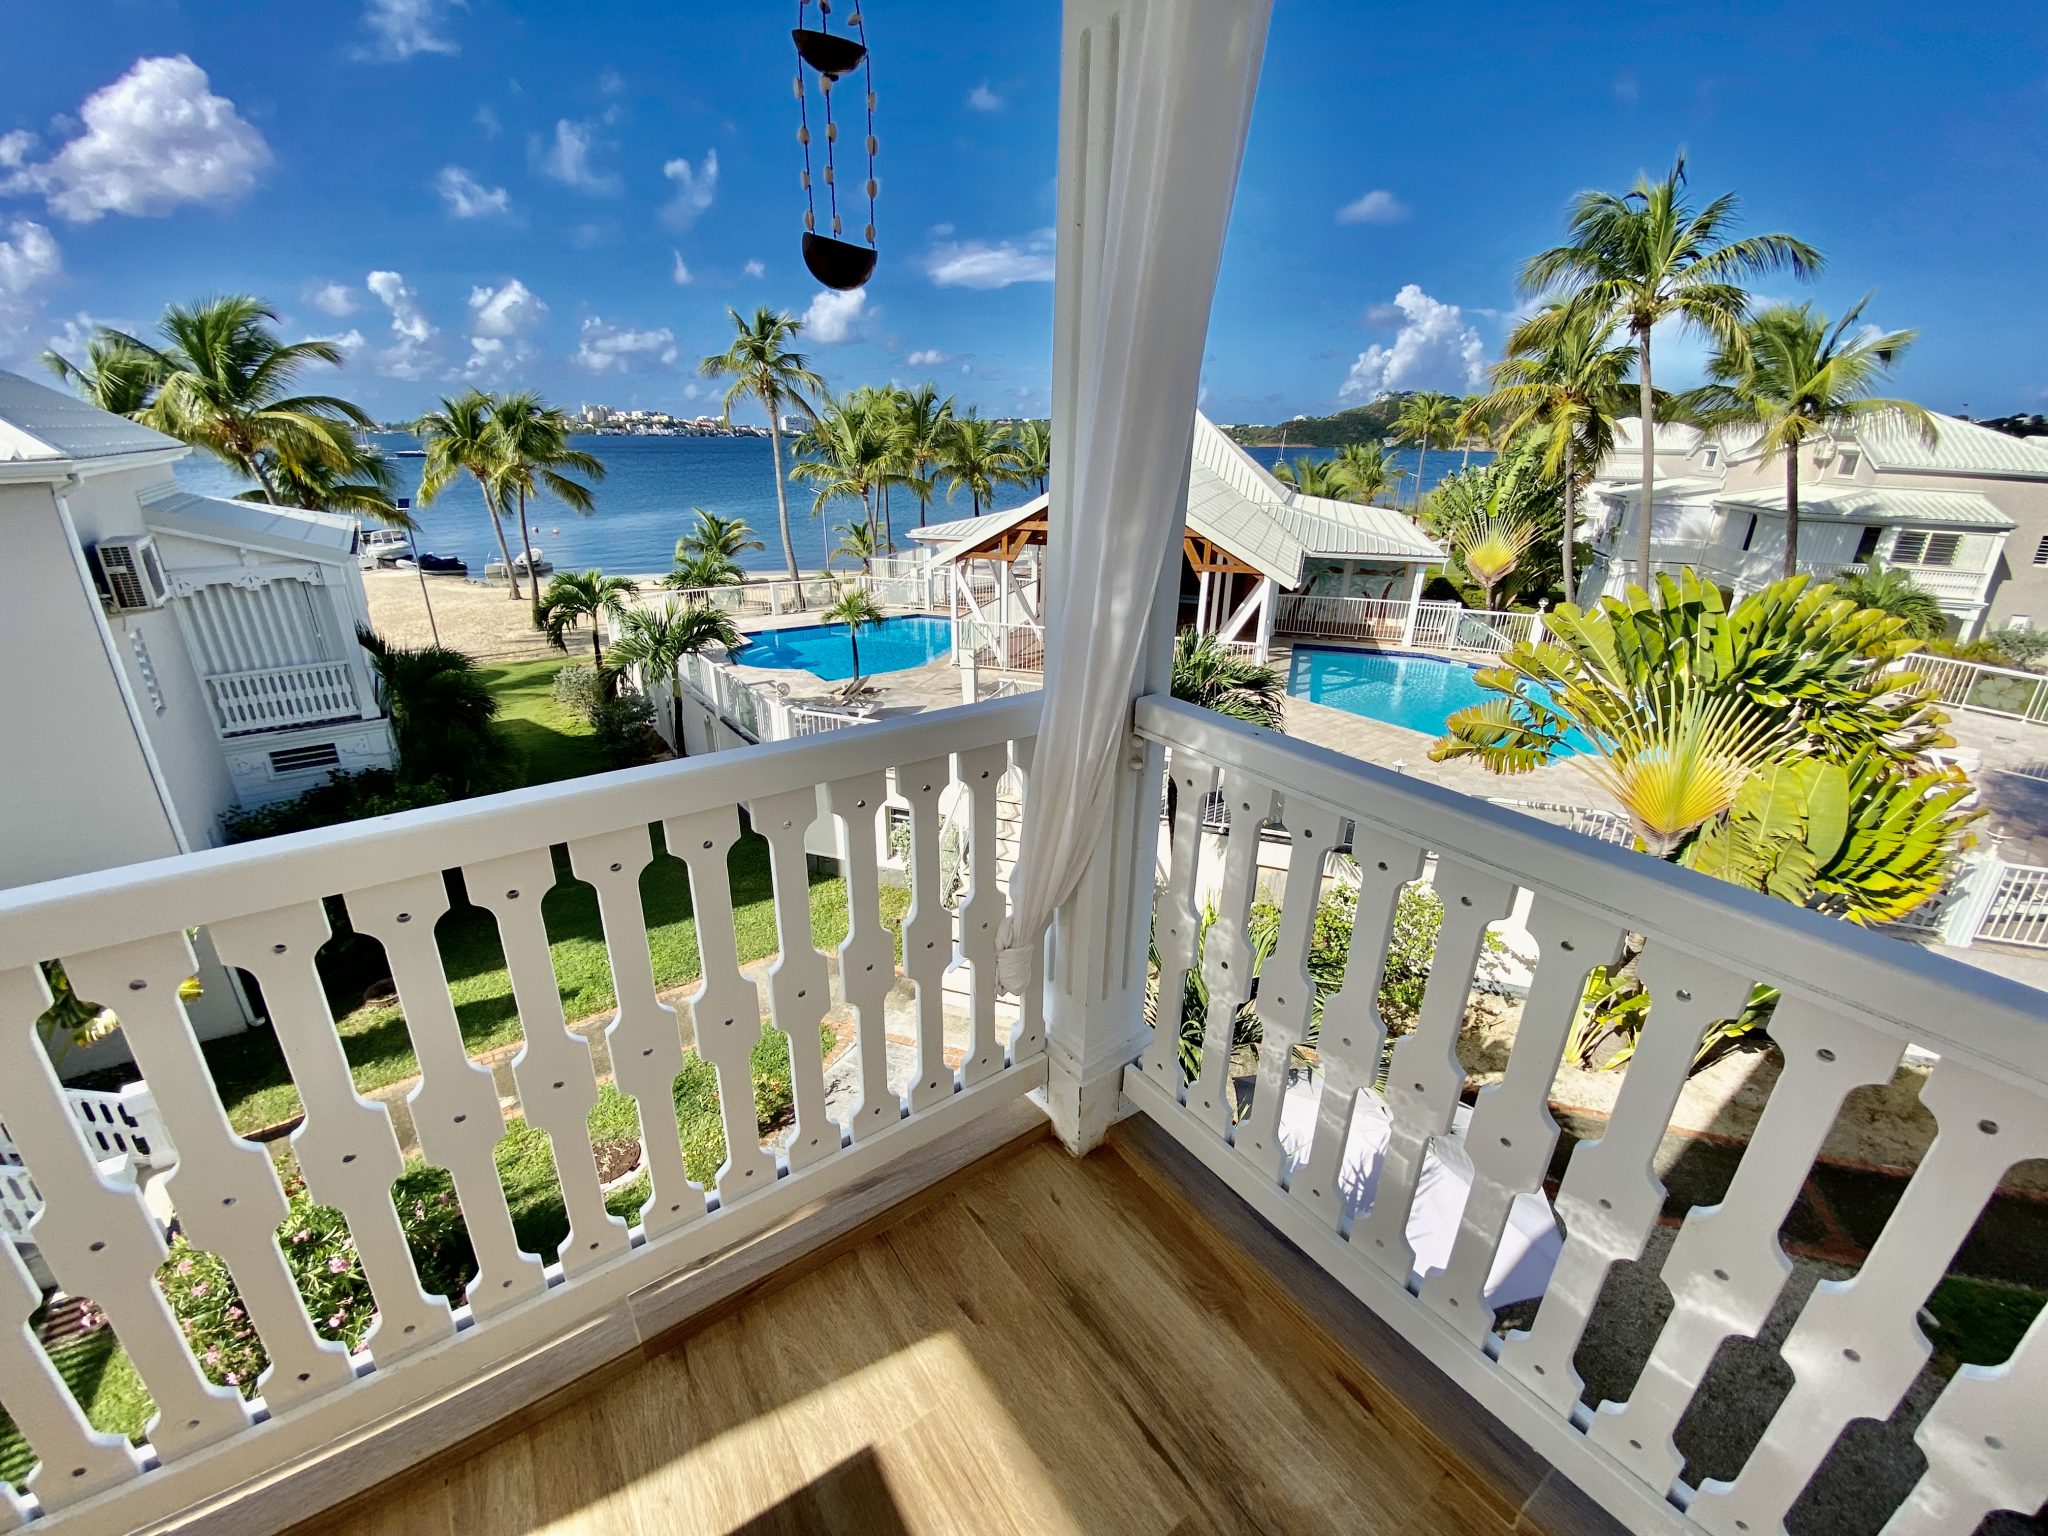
pixel 284 698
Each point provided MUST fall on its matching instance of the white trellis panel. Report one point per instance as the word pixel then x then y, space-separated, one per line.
pixel 98 1239
pixel 455 1109
pixel 799 985
pixel 1178 926
pixel 645 1038
pixel 345 1146
pixel 867 958
pixel 556 1078
pixel 928 928
pixel 726 1008
pixel 1726 1268
pixel 1857 1345
pixel 225 1189
pixel 1353 1027
pixel 1226 950
pixel 1424 1077
pixel 1611 1194
pixel 982 906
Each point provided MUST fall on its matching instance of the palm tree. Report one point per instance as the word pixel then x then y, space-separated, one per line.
pixel 1207 673
pixel 976 455
pixel 656 640
pixel 1681 763
pixel 535 441
pixel 463 438
pixel 715 535
pixel 116 377
pixel 696 572
pixel 1428 419
pixel 1032 438
pixel 925 421
pixel 1895 592
pixel 1646 256
pixel 1311 477
pixel 223 385
pixel 440 709
pixel 574 596
pixel 762 368
pixel 856 544
pixel 1562 385
pixel 848 451
pixel 362 484
pixel 1366 472
pixel 1798 379
pixel 1487 526
pixel 854 608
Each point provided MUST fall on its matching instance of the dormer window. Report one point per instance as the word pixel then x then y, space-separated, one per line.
pixel 1845 464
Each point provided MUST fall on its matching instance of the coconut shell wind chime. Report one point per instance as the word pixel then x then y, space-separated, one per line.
pixel 834 260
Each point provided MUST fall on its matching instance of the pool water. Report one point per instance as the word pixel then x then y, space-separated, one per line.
pixel 1419 692
pixel 822 649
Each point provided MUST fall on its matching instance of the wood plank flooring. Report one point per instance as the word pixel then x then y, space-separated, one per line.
pixel 1049 1346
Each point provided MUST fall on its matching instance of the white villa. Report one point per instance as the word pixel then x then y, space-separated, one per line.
pixel 174 656
pixel 1251 544
pixel 1967 516
pixel 1008 1257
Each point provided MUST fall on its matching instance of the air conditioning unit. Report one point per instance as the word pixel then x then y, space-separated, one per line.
pixel 130 574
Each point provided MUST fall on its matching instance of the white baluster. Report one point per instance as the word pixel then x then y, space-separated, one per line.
pixel 1512 1133
pixel 799 986
pixel 928 930
pixel 224 1189
pixel 1986 1442
pixel 1027 1040
pixel 1726 1268
pixel 345 1148
pixel 1348 1046
pixel 1858 1346
pixel 1425 1077
pixel 455 1111
pixel 982 906
pixel 553 1071
pixel 1611 1195
pixel 1227 950
pixel 98 1239
pixel 78 1461
pixel 1179 922
pixel 644 1036
pixel 1287 994
pixel 726 1008
pixel 867 957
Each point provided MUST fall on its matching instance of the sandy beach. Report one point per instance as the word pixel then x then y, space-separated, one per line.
pixel 481 621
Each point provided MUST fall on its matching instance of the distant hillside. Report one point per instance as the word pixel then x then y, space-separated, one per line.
pixel 1360 424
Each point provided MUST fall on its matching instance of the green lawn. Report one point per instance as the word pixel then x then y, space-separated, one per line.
pixel 103 1379
pixel 548 742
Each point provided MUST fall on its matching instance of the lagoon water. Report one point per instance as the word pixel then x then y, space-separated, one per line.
pixel 645 502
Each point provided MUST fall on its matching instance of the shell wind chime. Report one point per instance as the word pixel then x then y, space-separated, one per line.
pixel 833 260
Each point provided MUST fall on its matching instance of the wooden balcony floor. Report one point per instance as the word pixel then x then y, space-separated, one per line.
pixel 1044 1345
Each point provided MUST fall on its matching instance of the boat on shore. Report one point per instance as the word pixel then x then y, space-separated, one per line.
pixel 532 562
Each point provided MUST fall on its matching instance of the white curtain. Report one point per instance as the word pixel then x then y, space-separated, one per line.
pixel 1149 157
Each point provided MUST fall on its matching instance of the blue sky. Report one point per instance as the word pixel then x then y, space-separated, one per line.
pixel 568 197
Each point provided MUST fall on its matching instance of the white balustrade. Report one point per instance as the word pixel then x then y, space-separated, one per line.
pixel 1976 685
pixel 122 934
pixel 1851 1002
pixel 1436 626
pixel 281 698
pixel 1005 647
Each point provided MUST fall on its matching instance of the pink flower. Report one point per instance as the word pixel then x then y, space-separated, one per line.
pixel 184 1266
pixel 212 1356
pixel 337 1265
pixel 234 1311
pixel 335 1321
pixel 303 1237
pixel 233 1378
pixel 200 1289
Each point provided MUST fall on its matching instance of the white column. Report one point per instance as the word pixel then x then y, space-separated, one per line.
pixel 1269 605
pixel 1418 578
pixel 1202 603
pixel 1155 100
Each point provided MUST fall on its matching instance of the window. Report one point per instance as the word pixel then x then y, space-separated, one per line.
pixel 1710 457
pixel 2041 551
pixel 1845 466
pixel 1916 546
pixel 1866 545
pixel 1749 532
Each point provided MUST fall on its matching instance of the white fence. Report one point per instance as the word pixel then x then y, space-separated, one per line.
pixel 1990 690
pixel 2018 910
pixel 1437 626
pixel 1005 647
pixel 116 1127
pixel 748 600
pixel 279 698
pixel 758 712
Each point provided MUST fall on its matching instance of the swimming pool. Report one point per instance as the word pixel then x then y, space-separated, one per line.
pixel 1420 692
pixel 822 650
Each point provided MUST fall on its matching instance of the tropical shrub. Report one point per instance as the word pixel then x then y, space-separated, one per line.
pixel 441 711
pixel 582 689
pixel 1207 674
pixel 342 797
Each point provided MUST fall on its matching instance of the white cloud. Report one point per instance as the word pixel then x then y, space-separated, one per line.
pixel 30 260
pixel 510 310
pixel 1375 207
pixel 982 99
pixel 468 198
pixel 407 357
pixel 154 140
pixel 979 264
pixel 567 159
pixel 929 357
pixel 696 186
pixel 756 269
pixel 400 29
pixel 15 148
pixel 611 83
pixel 835 317
pixel 336 299
pixel 493 357
pixel 1435 348
pixel 487 119
pixel 604 348
pixel 681 270
pixel 348 340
